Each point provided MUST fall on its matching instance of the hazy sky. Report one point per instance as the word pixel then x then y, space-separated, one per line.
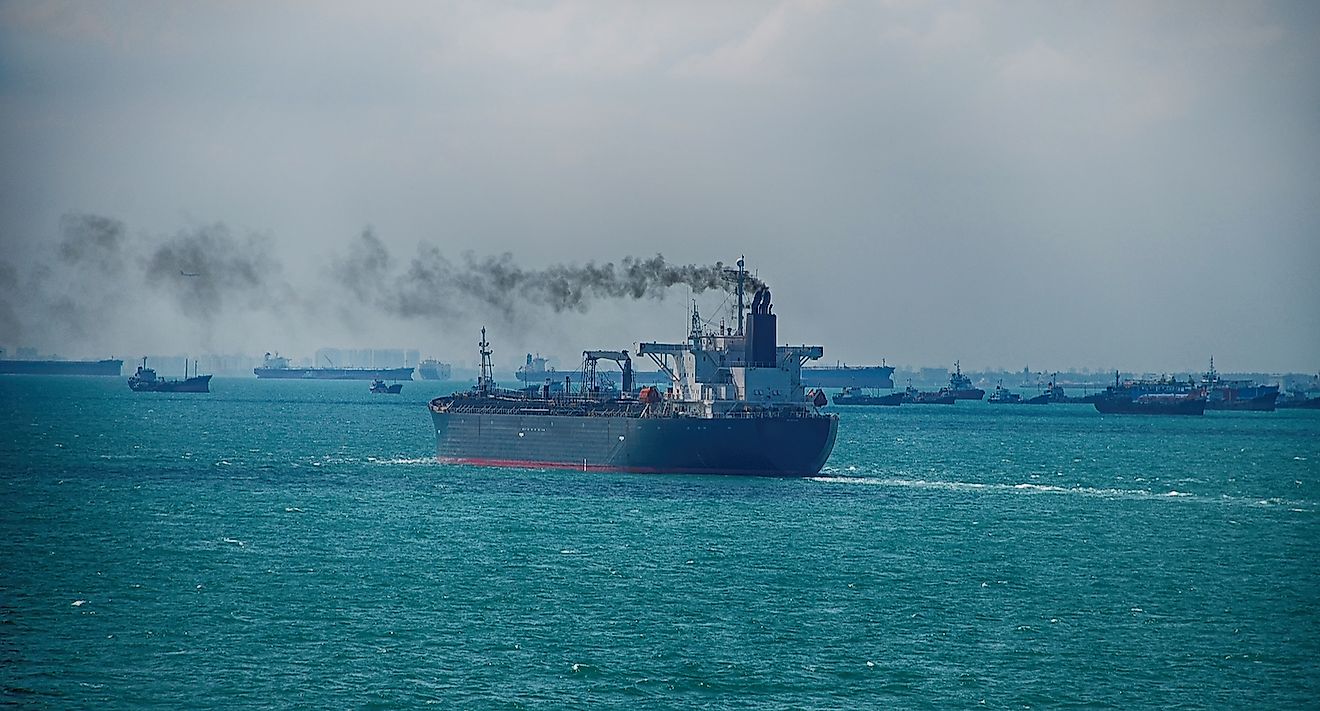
pixel 1050 184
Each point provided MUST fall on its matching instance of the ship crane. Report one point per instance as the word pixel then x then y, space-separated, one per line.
pixel 589 359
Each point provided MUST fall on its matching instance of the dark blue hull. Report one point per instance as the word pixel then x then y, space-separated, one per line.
pixel 110 367
pixel 196 384
pixel 757 446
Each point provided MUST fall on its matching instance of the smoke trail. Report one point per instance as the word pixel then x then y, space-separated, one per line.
pixel 431 285
pixel 207 269
pixel 99 285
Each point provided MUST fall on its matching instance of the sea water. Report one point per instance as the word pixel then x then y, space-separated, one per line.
pixel 286 543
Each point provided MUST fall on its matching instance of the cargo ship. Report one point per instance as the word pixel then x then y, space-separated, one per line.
pixel 110 367
pixel 277 366
pixel 735 405
pixel 961 386
pixel 432 369
pixel 1163 396
pixel 1237 394
pixel 145 380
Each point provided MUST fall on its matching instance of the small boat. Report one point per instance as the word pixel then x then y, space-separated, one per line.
pixel 917 397
pixel 859 396
pixel 1003 395
pixel 146 381
pixel 379 386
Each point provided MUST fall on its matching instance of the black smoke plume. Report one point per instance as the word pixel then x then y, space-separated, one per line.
pixel 207 270
pixel 430 284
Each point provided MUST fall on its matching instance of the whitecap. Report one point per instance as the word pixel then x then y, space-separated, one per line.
pixel 79 603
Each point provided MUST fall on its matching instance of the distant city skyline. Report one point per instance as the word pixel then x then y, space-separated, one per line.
pixel 1120 185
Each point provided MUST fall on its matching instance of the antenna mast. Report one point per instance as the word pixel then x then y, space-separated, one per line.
pixel 484 380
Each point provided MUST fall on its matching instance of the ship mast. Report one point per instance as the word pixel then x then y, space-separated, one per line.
pixel 738 277
pixel 484 380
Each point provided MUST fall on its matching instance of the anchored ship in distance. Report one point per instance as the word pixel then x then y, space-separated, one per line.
pixel 432 369
pixel 108 367
pixel 277 366
pixel 1249 395
pixel 145 380
pixel 735 405
pixel 1163 396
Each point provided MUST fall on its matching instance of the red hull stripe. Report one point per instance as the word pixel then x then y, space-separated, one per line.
pixel 584 467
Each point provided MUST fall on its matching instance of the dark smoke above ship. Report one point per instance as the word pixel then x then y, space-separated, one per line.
pixel 735 404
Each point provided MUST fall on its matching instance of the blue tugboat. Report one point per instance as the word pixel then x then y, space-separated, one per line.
pixel 1004 396
pixel 146 381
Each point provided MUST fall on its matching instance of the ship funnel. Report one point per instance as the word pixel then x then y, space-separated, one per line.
pixel 761 332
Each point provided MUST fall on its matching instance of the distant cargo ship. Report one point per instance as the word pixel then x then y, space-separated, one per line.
pixel 277 366
pixel 432 369
pixel 849 376
pixel 109 367
pixel 1165 396
pixel 146 381
pixel 1237 394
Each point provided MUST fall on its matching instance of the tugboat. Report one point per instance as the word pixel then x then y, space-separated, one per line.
pixel 145 380
pixel 1165 396
pixel 961 385
pixel 379 387
pixel 858 396
pixel 1004 396
pixel 1057 395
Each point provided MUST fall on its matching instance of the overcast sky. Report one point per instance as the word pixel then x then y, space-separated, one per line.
pixel 1054 184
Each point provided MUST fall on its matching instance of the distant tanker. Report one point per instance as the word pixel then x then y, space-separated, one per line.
pixel 276 366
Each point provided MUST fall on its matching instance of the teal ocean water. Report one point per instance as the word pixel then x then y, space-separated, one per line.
pixel 281 544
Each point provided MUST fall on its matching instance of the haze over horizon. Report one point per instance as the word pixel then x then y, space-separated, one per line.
pixel 1129 185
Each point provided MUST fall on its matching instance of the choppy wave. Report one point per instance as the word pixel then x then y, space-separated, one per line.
pixel 1102 492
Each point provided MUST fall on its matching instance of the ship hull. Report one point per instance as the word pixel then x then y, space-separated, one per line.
pixel 108 368
pixel 199 384
pixel 890 400
pixel 785 447
pixel 1260 403
pixel 969 394
pixel 334 373
pixel 1124 406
